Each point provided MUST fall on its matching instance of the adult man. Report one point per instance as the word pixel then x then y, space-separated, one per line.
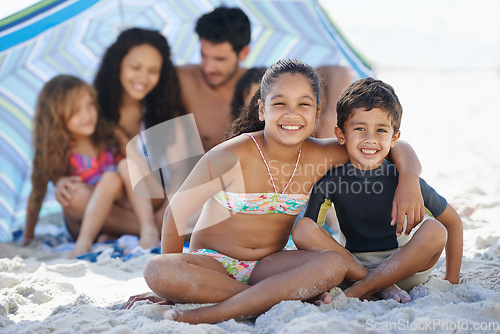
pixel 207 89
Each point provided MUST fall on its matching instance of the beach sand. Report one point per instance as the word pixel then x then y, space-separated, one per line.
pixel 450 118
pixel 444 68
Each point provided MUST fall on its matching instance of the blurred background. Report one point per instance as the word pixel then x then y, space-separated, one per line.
pixel 443 59
pixel 431 34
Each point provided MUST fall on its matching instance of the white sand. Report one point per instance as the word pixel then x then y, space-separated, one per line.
pixel 450 119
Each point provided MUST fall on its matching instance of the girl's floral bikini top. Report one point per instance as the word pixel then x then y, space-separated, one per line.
pixel 263 203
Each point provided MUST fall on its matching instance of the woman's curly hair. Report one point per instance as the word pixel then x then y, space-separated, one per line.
pixel 162 103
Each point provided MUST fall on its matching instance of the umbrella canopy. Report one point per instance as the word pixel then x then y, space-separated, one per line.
pixel 57 36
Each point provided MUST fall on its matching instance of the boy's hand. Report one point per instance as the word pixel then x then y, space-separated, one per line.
pixel 65 187
pixel 407 202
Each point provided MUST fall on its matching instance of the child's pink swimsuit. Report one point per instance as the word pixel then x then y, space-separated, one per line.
pixel 90 169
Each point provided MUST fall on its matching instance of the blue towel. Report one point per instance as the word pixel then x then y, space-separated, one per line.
pixel 124 248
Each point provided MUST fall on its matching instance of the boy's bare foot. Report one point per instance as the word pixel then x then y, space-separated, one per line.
pixel 396 293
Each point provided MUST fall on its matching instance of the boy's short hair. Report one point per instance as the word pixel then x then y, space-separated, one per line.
pixel 369 93
pixel 225 24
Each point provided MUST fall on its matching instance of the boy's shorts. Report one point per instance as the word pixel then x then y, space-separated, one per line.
pixel 371 260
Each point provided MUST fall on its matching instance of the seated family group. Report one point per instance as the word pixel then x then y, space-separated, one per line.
pixel 283 145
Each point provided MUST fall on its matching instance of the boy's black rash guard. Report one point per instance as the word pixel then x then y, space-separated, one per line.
pixel 363 203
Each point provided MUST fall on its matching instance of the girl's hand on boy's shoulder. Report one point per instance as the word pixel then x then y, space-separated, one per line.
pixel 408 203
pixel 65 187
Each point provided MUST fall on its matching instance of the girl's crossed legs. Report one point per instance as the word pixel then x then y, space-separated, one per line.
pixel 284 275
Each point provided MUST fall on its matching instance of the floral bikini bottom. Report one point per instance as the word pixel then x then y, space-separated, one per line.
pixel 237 269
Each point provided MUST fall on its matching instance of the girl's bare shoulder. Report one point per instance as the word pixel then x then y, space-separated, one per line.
pixel 238 148
pixel 239 145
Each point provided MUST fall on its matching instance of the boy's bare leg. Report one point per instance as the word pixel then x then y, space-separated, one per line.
pixel 286 275
pixel 309 235
pixel 419 254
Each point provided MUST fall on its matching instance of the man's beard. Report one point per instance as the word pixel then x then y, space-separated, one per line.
pixel 225 80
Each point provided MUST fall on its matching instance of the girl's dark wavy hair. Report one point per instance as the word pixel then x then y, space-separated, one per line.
pixel 162 103
pixel 249 119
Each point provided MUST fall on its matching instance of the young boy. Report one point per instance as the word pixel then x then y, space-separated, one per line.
pixel 368 120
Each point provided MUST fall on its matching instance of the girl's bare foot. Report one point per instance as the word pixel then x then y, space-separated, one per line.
pixel 148 241
pixel 171 315
pixel 183 316
pixel 190 316
pixel 149 238
pixel 104 238
pixel 324 298
pixel 79 249
pixel 396 293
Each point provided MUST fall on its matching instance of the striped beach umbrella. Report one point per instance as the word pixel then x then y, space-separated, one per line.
pixel 70 36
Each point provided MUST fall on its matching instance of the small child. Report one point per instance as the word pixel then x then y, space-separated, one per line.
pixel 70 139
pixel 245 89
pixel 368 120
